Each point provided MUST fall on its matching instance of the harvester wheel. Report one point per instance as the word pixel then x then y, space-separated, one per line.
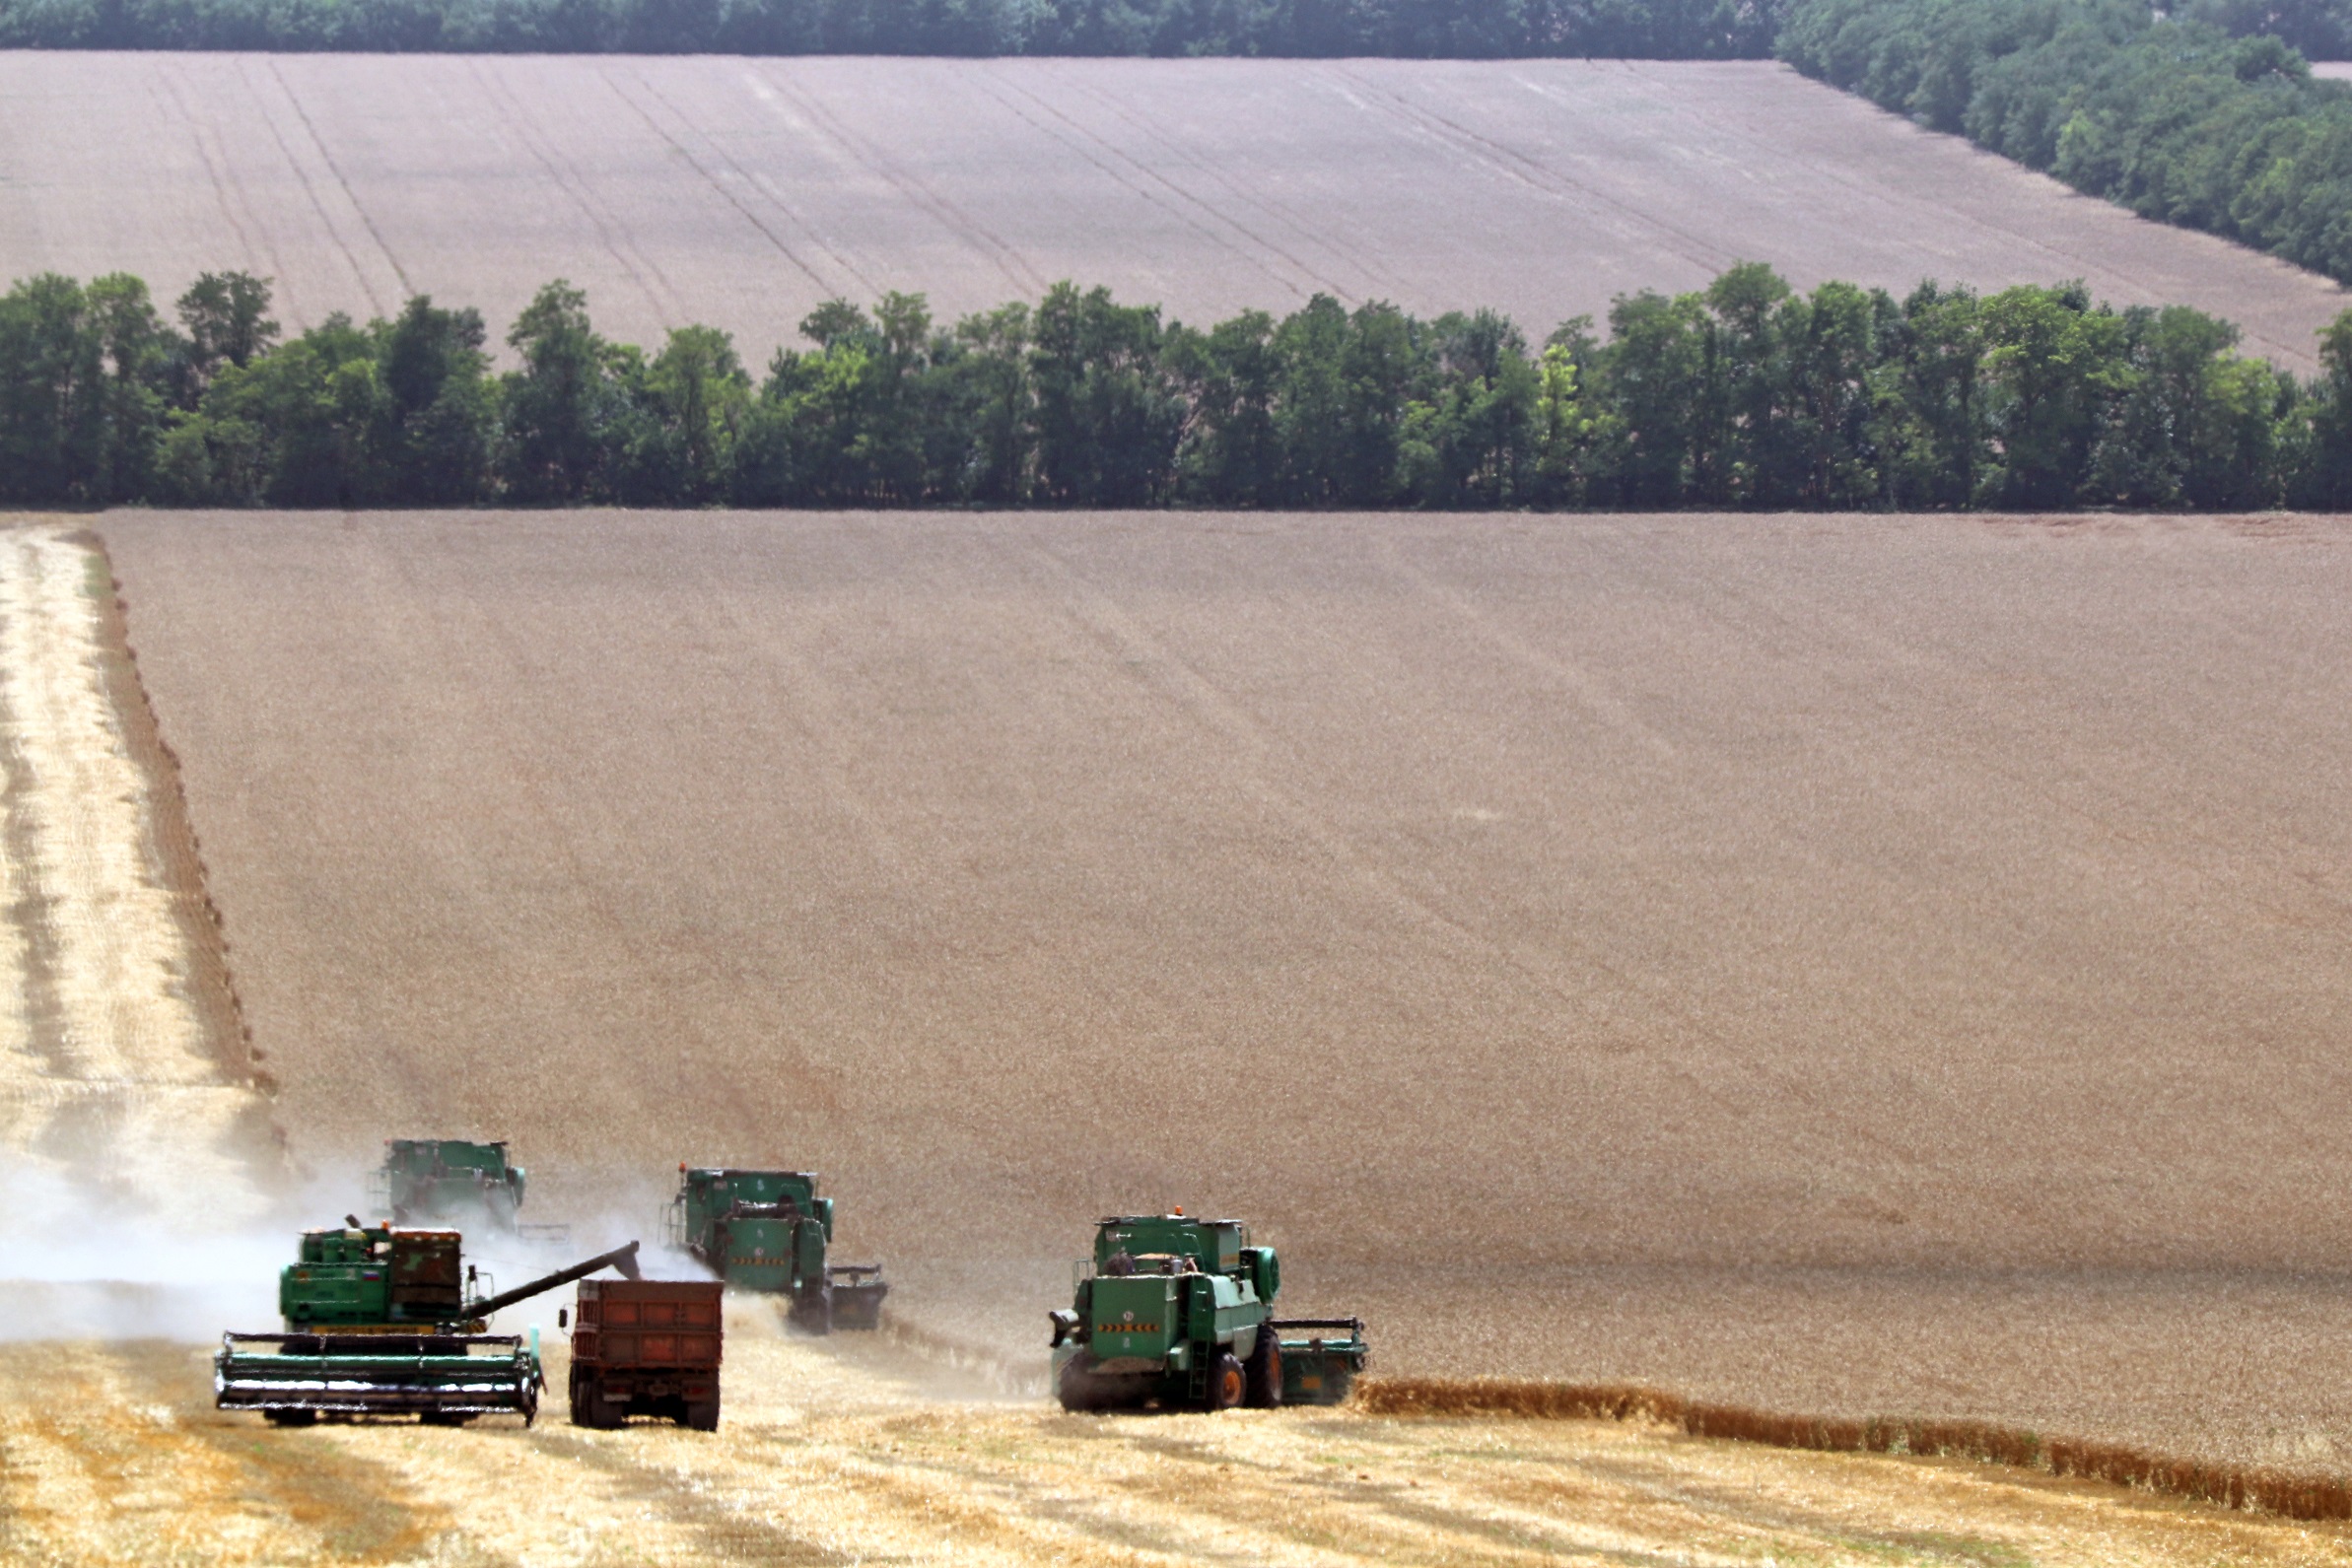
pixel 1076 1387
pixel 702 1415
pixel 291 1417
pixel 814 1312
pixel 1264 1370
pixel 1227 1384
pixel 444 1417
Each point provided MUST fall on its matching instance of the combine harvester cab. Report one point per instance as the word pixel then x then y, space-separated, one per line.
pixel 1179 1313
pixel 382 1321
pixel 458 1184
pixel 769 1231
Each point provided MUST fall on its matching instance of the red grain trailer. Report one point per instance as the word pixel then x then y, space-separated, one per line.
pixel 647 1347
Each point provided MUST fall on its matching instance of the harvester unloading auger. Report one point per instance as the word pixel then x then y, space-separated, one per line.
pixel 382 1321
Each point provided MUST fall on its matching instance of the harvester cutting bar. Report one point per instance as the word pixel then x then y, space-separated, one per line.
pixel 1321 1357
pixel 857 1290
pixel 375 1373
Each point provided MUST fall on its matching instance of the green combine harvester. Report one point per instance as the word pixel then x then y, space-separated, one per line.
pixel 454 1183
pixel 382 1321
pixel 1179 1313
pixel 769 1231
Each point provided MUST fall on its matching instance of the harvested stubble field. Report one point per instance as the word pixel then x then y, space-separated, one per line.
pixel 742 192
pixel 1851 966
pixel 858 1453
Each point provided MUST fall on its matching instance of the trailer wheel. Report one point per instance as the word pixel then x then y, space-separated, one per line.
pixel 1227 1384
pixel 589 1407
pixel 702 1415
pixel 1265 1371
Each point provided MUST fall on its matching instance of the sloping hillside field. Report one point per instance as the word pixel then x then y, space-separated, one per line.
pixel 742 192
pixel 1864 966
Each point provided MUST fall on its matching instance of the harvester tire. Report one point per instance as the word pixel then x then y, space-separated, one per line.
pixel 702 1415
pixel 1226 1383
pixel 1264 1370
pixel 1076 1387
pixel 444 1417
pixel 291 1417
pixel 814 1312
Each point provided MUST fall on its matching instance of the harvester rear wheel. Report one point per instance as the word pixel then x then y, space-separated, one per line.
pixel 813 1313
pixel 291 1417
pixel 1264 1370
pixel 1076 1387
pixel 1226 1383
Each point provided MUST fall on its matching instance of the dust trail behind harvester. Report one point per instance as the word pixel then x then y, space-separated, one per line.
pixel 133 1134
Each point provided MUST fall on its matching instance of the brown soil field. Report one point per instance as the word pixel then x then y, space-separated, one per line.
pixel 1841 965
pixel 742 192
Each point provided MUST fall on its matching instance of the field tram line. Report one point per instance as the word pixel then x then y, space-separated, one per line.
pixel 2249 1489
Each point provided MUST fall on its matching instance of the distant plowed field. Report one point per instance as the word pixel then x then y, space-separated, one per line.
pixel 1860 964
pixel 742 192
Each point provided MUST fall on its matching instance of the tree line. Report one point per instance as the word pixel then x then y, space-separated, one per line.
pixel 1409 28
pixel 1746 394
pixel 2207 116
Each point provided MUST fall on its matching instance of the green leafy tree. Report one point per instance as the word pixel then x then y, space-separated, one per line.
pixel 1469 439
pixel 2053 366
pixel 1107 412
pixel 225 315
pixel 54 435
pixel 1659 383
pixel 439 406
pixel 564 407
pixel 1230 451
pixel 1931 414
pixel 985 452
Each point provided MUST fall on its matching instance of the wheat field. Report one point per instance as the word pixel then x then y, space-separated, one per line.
pixel 853 1452
pixel 743 192
pixel 1844 965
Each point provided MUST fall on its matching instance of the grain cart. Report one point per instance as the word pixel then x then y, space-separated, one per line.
pixel 1179 1313
pixel 387 1322
pixel 647 1347
pixel 454 1183
pixel 769 1231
